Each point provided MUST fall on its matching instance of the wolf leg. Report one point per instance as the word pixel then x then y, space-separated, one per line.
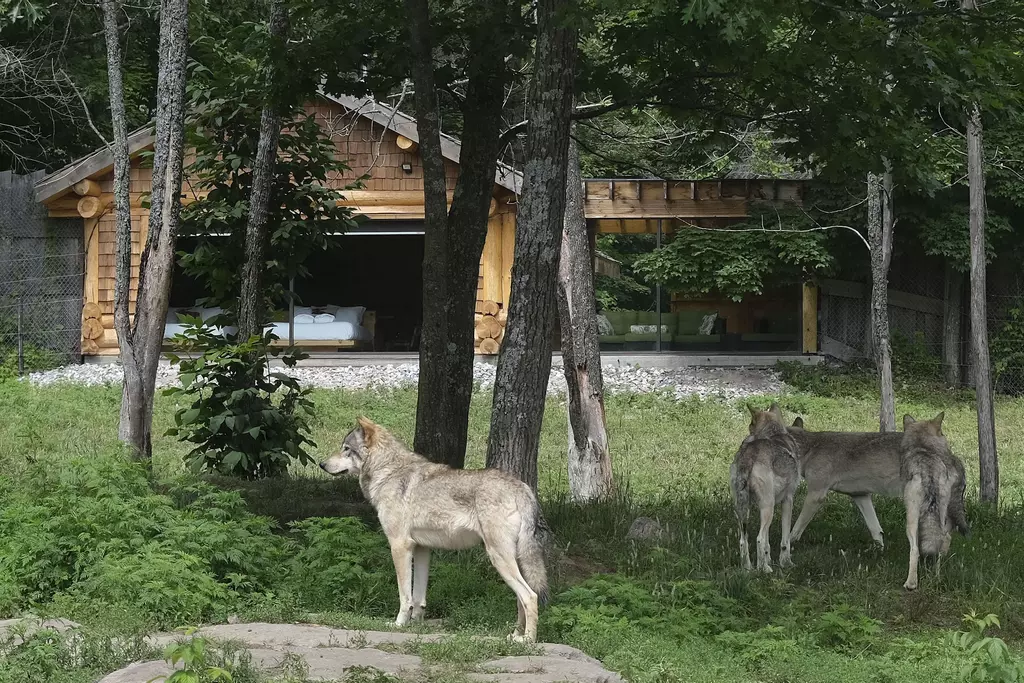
pixel 867 511
pixel 764 551
pixel 812 502
pixel 504 561
pixel 401 553
pixel 420 575
pixel 912 498
pixel 785 559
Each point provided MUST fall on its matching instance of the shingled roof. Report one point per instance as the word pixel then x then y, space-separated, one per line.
pixel 102 160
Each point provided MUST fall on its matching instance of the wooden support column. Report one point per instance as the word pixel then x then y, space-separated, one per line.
pixel 809 315
pixel 491 262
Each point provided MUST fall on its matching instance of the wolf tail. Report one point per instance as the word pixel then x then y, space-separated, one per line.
pixel 956 502
pixel 740 493
pixel 530 553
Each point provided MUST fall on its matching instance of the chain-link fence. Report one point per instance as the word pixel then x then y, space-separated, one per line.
pixel 929 322
pixel 41 279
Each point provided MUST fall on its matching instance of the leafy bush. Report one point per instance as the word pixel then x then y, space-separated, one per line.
pixel 846 629
pixel 1007 351
pixel 342 562
pixel 990 660
pixel 34 359
pixel 245 421
pixel 912 360
pixel 93 530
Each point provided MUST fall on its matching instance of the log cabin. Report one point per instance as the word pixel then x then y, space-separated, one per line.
pixel 370 286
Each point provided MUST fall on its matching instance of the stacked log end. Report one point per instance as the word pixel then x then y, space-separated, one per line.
pixel 490 327
pixel 92 328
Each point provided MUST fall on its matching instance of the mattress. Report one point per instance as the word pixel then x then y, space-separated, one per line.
pixel 324 332
pixel 303 332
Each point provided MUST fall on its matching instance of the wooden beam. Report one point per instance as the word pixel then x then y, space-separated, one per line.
pixel 92 206
pixel 809 314
pixel 490 262
pixel 87 187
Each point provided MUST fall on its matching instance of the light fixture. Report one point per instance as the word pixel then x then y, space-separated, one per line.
pixel 407 167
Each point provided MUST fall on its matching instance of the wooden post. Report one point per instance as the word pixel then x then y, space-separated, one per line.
pixel 809 316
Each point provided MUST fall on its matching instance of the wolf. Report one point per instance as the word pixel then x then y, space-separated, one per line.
pixel 933 491
pixel 768 465
pixel 423 505
pixel 858 464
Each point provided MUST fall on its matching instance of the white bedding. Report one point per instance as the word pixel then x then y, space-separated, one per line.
pixel 324 332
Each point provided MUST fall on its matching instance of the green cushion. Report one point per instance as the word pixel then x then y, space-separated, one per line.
pixel 689 321
pixel 770 337
pixel 646 318
pixel 613 339
pixel 697 338
pixel 621 320
pixel 647 337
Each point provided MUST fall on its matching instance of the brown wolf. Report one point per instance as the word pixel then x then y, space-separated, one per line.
pixel 767 463
pixel 858 464
pixel 423 505
pixel 933 491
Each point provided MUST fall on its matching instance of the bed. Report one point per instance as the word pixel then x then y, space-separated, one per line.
pixel 340 328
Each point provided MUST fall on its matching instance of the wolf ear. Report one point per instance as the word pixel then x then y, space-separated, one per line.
pixel 907 421
pixel 369 429
pixel 798 422
pixel 775 409
pixel 937 421
pixel 753 410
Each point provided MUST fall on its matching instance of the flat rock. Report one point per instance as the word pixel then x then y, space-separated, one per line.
pixel 330 652
pixel 139 672
pixel 645 529
pixel 544 669
pixel 32 624
pixel 273 636
pixel 331 663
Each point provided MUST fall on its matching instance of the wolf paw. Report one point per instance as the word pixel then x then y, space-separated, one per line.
pixel 787 562
pixel 766 568
pixel 910 585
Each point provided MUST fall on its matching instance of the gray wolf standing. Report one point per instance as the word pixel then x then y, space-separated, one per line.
pixel 933 491
pixel 767 463
pixel 855 463
pixel 423 505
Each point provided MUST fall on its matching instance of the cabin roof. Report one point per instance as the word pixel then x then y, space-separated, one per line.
pixel 102 160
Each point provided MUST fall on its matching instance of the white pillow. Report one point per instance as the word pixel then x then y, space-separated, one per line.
pixel 323 318
pixel 647 329
pixel 707 324
pixel 304 318
pixel 604 326
pixel 350 314
pixel 172 316
pixel 207 313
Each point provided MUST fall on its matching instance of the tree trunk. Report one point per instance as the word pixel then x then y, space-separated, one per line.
pixel 951 323
pixel 590 464
pixel 524 362
pixel 251 299
pixel 988 470
pixel 880 237
pixel 454 242
pixel 140 340
pixel 132 428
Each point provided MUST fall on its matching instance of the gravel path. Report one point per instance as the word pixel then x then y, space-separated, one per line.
pixel 727 383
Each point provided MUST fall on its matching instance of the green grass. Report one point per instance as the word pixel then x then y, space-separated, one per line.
pixel 681 610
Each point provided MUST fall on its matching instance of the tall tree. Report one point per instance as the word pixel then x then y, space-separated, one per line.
pixel 140 337
pixel 251 311
pixel 454 239
pixel 524 362
pixel 589 462
pixel 988 471
pixel 880 224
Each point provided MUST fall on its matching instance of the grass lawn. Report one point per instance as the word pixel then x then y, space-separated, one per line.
pixel 84 536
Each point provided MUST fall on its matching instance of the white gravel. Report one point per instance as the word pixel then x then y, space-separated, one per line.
pixel 680 383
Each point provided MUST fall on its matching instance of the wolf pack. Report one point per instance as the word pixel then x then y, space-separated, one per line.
pixel 423 505
pixel 916 464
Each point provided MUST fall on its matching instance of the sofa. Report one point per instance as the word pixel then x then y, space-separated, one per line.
pixel 779 333
pixel 680 331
